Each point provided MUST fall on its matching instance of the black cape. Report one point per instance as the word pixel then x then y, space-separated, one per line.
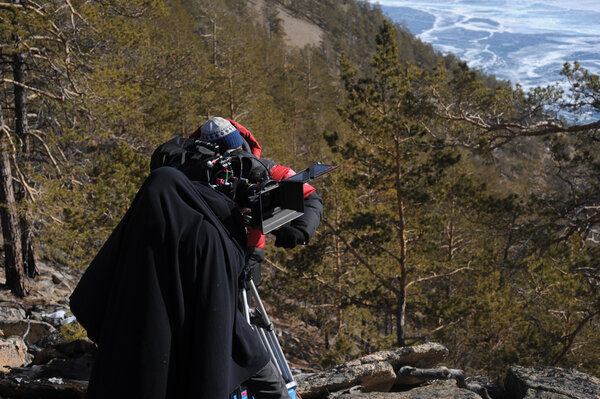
pixel 161 297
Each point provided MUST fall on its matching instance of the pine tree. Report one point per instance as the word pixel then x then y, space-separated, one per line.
pixel 397 171
pixel 37 60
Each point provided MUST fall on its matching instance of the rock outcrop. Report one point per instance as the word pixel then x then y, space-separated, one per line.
pixel 13 353
pixel 550 383
pixel 376 372
pixel 31 330
pixel 414 373
pixel 34 363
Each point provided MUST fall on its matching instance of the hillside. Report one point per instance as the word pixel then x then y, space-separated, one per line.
pixel 463 211
pixel 298 32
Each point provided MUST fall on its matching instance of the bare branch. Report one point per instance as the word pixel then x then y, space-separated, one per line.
pixel 540 129
pixel 76 13
pixel 42 92
pixel 19 7
pixel 503 131
pixel 432 277
pixel 21 178
pixel 10 6
pixel 570 338
pixel 43 142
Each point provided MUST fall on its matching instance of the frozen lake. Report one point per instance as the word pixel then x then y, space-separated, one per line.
pixel 524 41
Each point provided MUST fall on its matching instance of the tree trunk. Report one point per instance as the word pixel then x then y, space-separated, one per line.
pixel 21 128
pixel 401 296
pixel 214 40
pixel 450 230
pixel 10 227
pixel 21 124
pixel 338 273
pixel 230 86
pixel 401 319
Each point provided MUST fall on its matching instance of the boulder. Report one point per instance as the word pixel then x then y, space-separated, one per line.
pixel 374 376
pixel 51 314
pixel 31 330
pixel 72 369
pixel 11 311
pixel 51 388
pixel 47 341
pixel 448 392
pixel 427 355
pixel 13 353
pixel 74 349
pixel 550 383
pixel 409 375
pixel 422 356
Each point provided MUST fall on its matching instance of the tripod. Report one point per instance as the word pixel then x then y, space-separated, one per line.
pixel 260 322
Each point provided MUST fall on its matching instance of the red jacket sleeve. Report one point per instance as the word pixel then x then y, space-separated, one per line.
pixel 280 172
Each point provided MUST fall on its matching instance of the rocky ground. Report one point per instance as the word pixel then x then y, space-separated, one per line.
pixel 38 360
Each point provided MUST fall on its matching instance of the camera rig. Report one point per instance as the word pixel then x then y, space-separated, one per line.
pixel 266 204
pixel 275 203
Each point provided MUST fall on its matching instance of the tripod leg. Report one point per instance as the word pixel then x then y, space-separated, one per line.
pixel 270 338
pixel 245 305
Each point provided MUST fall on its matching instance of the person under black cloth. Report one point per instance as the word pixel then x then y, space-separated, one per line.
pixel 148 298
pixel 161 297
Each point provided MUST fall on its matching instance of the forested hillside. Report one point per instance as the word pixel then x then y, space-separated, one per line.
pixel 464 210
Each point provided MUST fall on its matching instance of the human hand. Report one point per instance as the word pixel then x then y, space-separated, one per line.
pixel 254 258
pixel 288 237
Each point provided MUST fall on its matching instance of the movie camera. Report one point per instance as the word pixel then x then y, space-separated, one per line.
pixel 266 204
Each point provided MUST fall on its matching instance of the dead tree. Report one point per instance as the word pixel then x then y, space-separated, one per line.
pixel 21 129
pixel 13 258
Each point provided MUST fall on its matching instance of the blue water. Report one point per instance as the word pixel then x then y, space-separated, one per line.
pixel 524 41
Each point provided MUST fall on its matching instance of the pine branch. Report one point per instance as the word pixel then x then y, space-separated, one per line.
pixel 322 282
pixel 385 282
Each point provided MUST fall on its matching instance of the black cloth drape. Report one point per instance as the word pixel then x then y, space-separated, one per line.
pixel 161 297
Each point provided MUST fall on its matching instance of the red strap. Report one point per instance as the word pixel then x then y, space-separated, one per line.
pixel 256 239
pixel 255 147
pixel 196 133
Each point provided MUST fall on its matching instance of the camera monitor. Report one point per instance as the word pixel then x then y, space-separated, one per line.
pixel 282 202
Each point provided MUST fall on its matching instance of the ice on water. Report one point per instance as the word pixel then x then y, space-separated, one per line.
pixel 524 41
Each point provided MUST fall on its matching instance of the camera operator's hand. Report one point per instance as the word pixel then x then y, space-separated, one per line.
pixel 288 237
pixel 254 258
